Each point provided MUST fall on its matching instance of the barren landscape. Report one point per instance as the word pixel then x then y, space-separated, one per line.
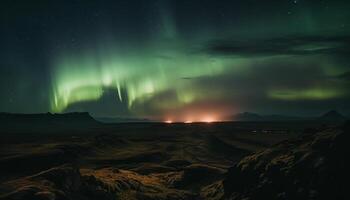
pixel 172 161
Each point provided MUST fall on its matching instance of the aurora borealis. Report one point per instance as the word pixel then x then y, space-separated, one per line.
pixel 175 60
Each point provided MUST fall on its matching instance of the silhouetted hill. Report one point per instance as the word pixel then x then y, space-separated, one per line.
pixel 332 116
pixel 80 117
pixel 49 121
pixel 248 116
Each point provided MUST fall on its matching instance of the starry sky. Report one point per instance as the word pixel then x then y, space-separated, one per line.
pixel 175 59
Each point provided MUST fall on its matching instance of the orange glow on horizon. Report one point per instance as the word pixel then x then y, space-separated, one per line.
pixel 194 118
pixel 208 119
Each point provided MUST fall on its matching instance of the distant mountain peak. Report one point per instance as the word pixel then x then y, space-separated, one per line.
pixel 333 115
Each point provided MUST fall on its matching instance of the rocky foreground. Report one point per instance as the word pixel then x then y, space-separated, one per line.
pixel 313 166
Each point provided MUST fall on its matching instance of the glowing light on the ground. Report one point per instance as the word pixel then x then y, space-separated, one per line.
pixel 188 122
pixel 168 121
pixel 208 119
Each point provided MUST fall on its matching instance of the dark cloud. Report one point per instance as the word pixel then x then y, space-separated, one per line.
pixel 249 90
pixel 292 45
pixel 277 72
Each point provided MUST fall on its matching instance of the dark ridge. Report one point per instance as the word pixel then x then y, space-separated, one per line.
pixel 47 117
pixel 332 115
pixel 48 122
pixel 248 116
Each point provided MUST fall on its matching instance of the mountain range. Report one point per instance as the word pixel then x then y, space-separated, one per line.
pixel 84 118
pixel 249 116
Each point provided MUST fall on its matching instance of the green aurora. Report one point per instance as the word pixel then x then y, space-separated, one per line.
pixel 141 76
pixel 178 60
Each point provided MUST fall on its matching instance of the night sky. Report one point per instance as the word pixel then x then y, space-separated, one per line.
pixel 175 59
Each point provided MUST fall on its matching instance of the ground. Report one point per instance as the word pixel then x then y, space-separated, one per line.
pixel 137 161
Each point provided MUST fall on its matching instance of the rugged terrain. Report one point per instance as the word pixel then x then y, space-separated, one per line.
pixel 176 161
pixel 312 166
